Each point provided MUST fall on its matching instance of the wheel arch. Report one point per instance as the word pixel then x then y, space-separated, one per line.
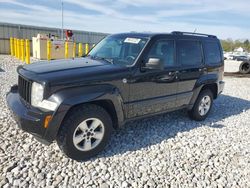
pixel 106 96
pixel 213 87
pixel 209 81
pixel 106 104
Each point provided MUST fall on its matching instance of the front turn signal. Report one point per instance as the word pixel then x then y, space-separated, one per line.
pixel 47 120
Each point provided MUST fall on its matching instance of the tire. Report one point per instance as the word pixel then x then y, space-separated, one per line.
pixel 195 112
pixel 86 123
pixel 244 67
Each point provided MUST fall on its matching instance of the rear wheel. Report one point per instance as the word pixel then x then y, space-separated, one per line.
pixel 202 106
pixel 85 132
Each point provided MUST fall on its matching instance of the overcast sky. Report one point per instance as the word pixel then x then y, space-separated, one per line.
pixel 224 18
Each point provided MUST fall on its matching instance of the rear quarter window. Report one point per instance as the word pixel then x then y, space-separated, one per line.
pixel 212 53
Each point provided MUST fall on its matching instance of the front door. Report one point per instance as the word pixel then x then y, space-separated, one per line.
pixel 153 91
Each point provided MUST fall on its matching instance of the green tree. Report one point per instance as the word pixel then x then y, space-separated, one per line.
pixel 229 44
pixel 247 45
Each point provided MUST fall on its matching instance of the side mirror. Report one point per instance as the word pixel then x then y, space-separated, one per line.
pixel 154 64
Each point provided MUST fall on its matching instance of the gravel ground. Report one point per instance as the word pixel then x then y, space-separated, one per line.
pixel 165 151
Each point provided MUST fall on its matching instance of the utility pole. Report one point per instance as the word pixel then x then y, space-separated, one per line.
pixel 62 22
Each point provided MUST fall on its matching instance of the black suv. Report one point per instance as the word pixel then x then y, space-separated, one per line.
pixel 124 77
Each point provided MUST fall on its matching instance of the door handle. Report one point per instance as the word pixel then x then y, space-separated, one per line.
pixel 170 73
pixel 173 73
pixel 203 69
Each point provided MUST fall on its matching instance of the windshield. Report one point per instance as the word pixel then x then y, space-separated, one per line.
pixel 121 50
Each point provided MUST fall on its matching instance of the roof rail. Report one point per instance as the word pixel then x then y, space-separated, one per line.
pixel 194 34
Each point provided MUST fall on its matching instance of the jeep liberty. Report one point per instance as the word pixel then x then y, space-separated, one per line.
pixel 124 77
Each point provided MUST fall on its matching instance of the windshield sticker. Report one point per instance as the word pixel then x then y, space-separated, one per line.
pixel 132 40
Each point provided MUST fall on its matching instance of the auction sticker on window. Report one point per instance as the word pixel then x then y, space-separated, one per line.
pixel 132 40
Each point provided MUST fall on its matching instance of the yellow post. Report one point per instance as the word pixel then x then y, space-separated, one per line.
pixel 66 47
pixel 48 50
pixel 14 42
pixel 27 55
pixel 11 46
pixel 18 48
pixel 80 50
pixel 22 50
pixel 74 50
pixel 86 48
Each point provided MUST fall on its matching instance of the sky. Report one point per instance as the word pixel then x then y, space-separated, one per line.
pixel 224 18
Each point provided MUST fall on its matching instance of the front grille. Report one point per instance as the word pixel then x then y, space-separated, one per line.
pixel 24 88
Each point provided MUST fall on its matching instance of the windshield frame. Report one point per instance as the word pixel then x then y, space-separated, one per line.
pixel 148 39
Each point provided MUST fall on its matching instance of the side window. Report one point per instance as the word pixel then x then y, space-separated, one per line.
pixel 164 50
pixel 212 53
pixel 189 52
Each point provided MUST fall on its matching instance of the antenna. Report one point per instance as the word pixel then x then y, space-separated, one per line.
pixel 195 30
pixel 62 21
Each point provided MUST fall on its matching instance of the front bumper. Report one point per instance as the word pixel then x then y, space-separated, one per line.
pixel 29 119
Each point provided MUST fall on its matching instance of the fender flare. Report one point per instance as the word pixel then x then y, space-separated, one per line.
pixel 70 97
pixel 200 83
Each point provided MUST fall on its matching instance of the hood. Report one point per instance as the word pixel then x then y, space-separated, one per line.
pixel 61 65
pixel 70 72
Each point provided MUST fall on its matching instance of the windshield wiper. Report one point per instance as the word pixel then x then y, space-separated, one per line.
pixel 102 58
pixel 86 55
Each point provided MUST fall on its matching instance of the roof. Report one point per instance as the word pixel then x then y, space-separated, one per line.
pixel 180 33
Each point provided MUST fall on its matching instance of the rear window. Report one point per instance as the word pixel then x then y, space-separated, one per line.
pixel 189 52
pixel 212 53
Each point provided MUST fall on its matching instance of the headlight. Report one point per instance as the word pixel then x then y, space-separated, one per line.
pixel 36 94
pixel 37 91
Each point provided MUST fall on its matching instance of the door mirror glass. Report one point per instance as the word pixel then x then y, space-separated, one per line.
pixel 154 64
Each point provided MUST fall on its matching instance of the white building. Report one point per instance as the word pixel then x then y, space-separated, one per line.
pixel 240 49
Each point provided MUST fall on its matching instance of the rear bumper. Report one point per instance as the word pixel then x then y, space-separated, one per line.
pixel 28 118
pixel 221 86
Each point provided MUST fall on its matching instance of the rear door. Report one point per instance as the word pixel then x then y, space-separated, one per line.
pixel 190 57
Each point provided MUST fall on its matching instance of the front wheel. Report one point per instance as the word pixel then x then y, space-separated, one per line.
pixel 85 132
pixel 202 106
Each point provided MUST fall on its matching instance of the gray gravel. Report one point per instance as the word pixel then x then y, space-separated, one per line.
pixel 167 150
